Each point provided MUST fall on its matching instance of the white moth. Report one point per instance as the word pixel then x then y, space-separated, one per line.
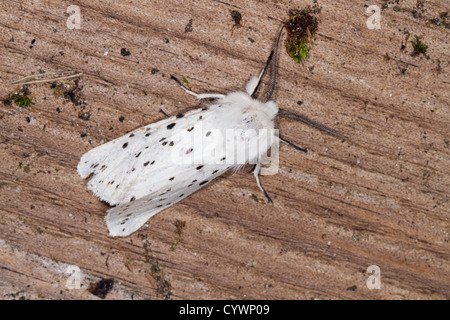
pixel 155 166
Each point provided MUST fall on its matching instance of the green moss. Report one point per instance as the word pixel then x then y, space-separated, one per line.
pixel 301 28
pixel 22 97
pixel 21 101
pixel 297 50
pixel 419 46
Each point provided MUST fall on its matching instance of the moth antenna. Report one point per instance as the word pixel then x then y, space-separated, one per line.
pixel 263 71
pixel 272 57
pixel 274 65
pixel 164 113
pixel 311 123
pixel 293 145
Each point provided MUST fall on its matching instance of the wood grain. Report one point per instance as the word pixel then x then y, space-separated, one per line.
pixel 379 198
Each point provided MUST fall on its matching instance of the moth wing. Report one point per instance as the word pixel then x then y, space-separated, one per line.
pixel 126 218
pixel 155 166
pixel 129 167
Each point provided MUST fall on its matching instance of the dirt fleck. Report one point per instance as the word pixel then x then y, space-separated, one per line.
pixel 403 45
pixel 84 116
pixel 124 52
pixel 237 18
pixel 440 21
pixel 127 264
pixel 101 288
pixel 189 27
pixel 70 91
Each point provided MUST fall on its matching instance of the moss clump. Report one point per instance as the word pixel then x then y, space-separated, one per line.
pixel 301 28
pixel 419 46
pixel 179 225
pixel 22 97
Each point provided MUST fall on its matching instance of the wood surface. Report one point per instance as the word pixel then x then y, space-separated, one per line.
pixel 380 198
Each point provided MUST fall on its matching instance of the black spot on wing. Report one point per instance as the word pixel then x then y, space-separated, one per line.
pixel 193 181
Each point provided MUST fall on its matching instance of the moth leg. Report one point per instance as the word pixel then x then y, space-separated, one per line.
pixel 293 145
pixel 256 174
pixel 197 95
